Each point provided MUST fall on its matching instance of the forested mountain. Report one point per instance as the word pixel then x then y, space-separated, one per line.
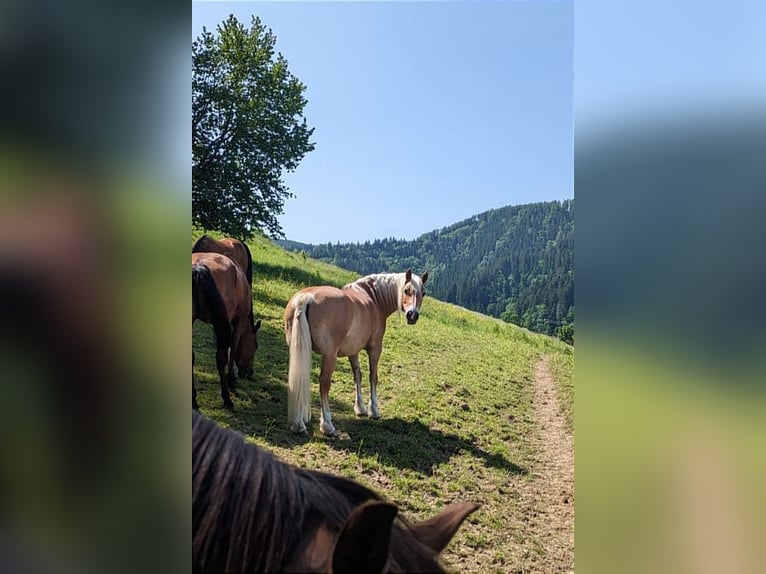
pixel 516 263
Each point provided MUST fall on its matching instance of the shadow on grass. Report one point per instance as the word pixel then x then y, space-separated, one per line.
pixel 266 300
pixel 292 274
pixel 260 404
pixel 413 445
pixel 396 442
pixel 261 410
pixel 286 273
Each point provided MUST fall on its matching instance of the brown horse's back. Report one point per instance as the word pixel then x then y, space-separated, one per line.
pixel 231 248
pixel 231 282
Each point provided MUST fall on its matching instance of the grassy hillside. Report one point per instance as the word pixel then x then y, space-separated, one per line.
pixel 455 398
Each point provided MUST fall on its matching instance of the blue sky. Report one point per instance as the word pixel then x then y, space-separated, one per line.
pixel 425 113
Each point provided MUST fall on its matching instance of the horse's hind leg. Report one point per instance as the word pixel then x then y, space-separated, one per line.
pixel 359 408
pixel 373 354
pixel 325 378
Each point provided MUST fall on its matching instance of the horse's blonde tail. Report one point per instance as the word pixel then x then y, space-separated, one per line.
pixel 299 373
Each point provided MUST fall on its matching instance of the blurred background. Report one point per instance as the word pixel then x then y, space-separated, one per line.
pixel 670 142
pixel 94 330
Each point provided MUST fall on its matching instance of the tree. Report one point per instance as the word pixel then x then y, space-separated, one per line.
pixel 566 333
pixel 248 129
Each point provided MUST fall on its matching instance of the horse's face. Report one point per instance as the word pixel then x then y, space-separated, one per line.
pixel 248 345
pixel 368 542
pixel 412 295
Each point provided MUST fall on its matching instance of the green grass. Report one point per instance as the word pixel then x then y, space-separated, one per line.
pixel 455 398
pixel 562 368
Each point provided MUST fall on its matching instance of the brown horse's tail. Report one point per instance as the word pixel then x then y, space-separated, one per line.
pixel 207 303
pixel 249 270
pixel 299 372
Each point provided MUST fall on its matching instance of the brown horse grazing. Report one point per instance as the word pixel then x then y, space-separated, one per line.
pixel 340 323
pixel 234 249
pixel 252 512
pixel 221 297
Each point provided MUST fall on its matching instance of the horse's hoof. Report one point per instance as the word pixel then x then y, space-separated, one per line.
pixel 360 411
pixel 298 429
pixel 328 430
pixel 229 406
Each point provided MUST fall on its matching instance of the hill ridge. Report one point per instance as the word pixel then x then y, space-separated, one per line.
pixel 514 262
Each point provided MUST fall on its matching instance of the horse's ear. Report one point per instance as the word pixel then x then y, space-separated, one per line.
pixel 436 532
pixel 407 275
pixel 257 326
pixel 363 543
pixel 424 277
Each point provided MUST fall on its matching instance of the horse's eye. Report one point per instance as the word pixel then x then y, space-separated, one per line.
pixel 408 291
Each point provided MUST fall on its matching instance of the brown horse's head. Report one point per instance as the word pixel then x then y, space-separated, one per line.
pixel 369 537
pixel 248 345
pixel 254 513
pixel 412 295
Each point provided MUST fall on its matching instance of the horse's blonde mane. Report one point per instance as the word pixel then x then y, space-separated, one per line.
pixel 384 284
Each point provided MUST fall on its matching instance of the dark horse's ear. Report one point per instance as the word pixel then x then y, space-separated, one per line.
pixel 363 543
pixel 407 275
pixel 424 277
pixel 436 532
pixel 257 325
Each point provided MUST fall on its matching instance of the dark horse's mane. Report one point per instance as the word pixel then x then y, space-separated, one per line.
pixel 254 513
pixel 199 246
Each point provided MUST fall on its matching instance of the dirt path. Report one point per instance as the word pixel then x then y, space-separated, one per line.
pixel 552 488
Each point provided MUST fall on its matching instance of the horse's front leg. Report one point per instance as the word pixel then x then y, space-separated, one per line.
pixel 220 361
pixel 325 378
pixel 374 355
pixel 237 326
pixel 359 407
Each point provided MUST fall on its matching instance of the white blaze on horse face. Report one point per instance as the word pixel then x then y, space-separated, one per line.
pixel 412 298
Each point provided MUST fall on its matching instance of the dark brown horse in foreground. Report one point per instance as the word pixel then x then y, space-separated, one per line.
pixel 340 323
pixel 253 513
pixel 221 297
pixel 234 249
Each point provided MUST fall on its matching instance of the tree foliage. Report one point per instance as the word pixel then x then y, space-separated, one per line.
pixel 248 128
pixel 515 263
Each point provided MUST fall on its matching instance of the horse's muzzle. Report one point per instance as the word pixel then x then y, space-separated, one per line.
pixel 412 316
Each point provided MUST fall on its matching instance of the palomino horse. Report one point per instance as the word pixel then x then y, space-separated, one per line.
pixel 252 512
pixel 234 249
pixel 340 323
pixel 221 297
